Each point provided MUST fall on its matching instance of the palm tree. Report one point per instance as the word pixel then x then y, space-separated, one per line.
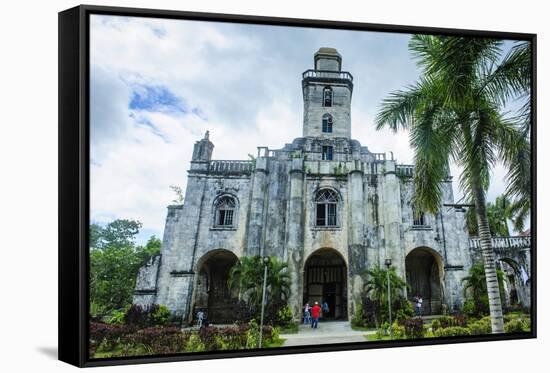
pixel 498 214
pixel 454 113
pixel 247 277
pixel 376 285
pixel 475 285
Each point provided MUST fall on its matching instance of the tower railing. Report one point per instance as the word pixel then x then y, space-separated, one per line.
pixel 327 74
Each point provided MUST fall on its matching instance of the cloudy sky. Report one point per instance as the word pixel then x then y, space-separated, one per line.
pixel 157 85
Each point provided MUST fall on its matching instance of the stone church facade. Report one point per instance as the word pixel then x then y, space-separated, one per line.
pixel 323 203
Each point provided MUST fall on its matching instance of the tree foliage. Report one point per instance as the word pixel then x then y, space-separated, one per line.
pixel 455 112
pixel 114 263
pixel 376 289
pixel 475 290
pixel 247 277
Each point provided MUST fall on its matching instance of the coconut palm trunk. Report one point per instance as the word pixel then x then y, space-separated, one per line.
pixel 493 291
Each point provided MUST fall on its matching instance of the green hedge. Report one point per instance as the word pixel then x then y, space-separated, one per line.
pixel 452 331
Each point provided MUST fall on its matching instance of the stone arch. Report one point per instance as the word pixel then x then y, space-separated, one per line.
pixel 425 275
pixel 211 293
pixel 513 281
pixel 326 280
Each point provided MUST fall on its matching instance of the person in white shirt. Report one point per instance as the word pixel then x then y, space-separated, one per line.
pixel 418 305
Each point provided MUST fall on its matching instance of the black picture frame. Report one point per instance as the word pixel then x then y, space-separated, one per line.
pixel 74 180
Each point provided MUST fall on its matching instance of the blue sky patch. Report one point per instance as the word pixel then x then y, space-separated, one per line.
pixel 156 98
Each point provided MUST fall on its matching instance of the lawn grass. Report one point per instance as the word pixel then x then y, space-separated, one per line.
pixel 363 328
pixel 277 343
pixel 290 329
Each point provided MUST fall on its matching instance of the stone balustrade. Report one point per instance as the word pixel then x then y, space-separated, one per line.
pixel 231 167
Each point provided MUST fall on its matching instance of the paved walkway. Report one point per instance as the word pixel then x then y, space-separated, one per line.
pixel 326 332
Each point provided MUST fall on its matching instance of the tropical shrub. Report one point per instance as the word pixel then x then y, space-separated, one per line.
pixel 481 326
pixel 357 318
pixel 398 331
pixel 284 316
pixel 194 344
pixel 405 310
pixel 518 325
pixel 160 315
pixel 414 327
pixel 444 322
pixel 144 316
pixel 245 276
pixel 376 288
pixel 475 290
pixel 452 331
pixel 117 317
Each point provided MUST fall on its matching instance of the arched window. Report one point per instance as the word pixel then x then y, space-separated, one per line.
pixel 327 123
pixel 326 204
pixel 224 212
pixel 327 97
pixel 419 218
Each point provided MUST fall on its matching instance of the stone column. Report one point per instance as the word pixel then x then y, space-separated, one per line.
pixel 176 273
pixel 391 209
pixel 356 237
pixel 295 237
pixel 257 203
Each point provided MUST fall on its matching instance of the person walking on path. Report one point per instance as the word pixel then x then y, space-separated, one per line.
pixel 418 305
pixel 315 313
pixel 200 318
pixel 307 314
pixel 325 309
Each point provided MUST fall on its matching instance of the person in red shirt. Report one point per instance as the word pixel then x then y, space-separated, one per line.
pixel 315 313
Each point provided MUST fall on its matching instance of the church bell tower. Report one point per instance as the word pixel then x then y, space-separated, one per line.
pixel 327 94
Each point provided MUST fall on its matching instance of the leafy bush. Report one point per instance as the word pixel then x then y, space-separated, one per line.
pixel 481 326
pixel 194 344
pixel 125 340
pixel 444 322
pixel 398 331
pixel 160 315
pixel 460 319
pixel 357 318
pixel 414 327
pixel 284 316
pixel 144 316
pixel 117 317
pixel 452 331
pixel 517 325
pixel 405 310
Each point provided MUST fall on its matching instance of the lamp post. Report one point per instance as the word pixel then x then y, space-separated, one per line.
pixel 387 262
pixel 266 261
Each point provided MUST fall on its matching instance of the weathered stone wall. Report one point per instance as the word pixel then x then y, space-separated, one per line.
pixel 275 209
pixel 314 111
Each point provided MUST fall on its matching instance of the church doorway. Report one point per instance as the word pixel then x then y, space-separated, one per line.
pixel 212 295
pixel 424 275
pixel 325 280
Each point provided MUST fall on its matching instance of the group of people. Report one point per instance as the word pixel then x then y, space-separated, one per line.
pixel 313 314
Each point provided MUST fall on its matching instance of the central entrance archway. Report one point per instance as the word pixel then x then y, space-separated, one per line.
pixel 212 292
pixel 424 274
pixel 325 280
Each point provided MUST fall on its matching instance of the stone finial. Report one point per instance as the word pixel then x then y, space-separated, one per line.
pixel 207 135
